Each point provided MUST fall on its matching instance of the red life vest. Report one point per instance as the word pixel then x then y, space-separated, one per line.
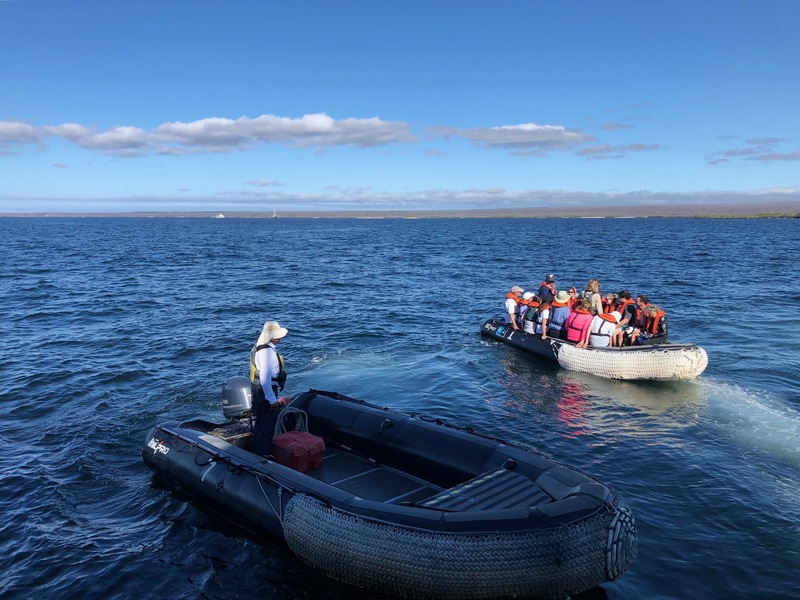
pixel 608 308
pixel 608 317
pixel 558 304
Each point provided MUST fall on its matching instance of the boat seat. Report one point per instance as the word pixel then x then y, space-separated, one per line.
pixel 492 490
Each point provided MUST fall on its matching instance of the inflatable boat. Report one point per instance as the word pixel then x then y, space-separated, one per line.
pixel 402 505
pixel 665 361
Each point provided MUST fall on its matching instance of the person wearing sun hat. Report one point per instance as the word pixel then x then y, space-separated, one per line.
pixel 267 377
pixel 559 313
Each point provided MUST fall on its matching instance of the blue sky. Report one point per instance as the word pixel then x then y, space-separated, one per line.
pixel 231 105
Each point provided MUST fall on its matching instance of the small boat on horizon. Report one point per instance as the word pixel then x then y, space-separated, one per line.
pixel 219 216
pixel 401 505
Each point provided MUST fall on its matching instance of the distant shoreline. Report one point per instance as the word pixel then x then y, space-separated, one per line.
pixel 770 210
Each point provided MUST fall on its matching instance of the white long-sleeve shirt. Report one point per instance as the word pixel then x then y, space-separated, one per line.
pixel 268 367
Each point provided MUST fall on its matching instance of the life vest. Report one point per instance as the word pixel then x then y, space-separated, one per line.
pixel 607 318
pixel 571 323
pixel 652 322
pixel 278 380
pixel 549 286
pixel 641 318
pixel 608 308
pixel 523 306
pixel 621 307
pixel 559 313
pixel 530 314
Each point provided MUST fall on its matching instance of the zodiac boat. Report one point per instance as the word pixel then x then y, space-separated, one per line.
pixel 402 505
pixel 665 361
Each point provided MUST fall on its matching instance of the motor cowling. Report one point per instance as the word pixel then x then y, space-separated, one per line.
pixel 237 400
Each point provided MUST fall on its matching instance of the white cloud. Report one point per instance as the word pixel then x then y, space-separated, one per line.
pixel 525 138
pixel 14 133
pixel 216 134
pixel 606 151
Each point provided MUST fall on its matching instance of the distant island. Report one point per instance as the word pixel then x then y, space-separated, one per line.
pixel 766 210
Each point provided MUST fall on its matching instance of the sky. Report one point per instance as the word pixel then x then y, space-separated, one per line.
pixel 230 105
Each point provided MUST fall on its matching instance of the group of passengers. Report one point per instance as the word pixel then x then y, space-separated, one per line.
pixel 589 318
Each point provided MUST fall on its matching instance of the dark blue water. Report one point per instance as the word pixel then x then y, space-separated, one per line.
pixel 112 325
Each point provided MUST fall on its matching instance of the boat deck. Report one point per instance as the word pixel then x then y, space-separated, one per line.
pixel 500 488
pixel 369 480
pixel 496 489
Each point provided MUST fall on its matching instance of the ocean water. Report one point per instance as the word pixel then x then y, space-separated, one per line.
pixel 112 325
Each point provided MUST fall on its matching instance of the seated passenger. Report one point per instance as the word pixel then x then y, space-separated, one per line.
pixel 542 316
pixel 524 305
pixel 574 299
pixel 656 330
pixel 529 321
pixel 559 313
pixel 602 328
pixel 512 306
pixel 627 310
pixel 578 324
pixel 592 292
pixel 639 323
pixel 609 303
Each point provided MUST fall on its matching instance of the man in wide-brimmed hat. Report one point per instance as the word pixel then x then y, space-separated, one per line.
pixel 267 377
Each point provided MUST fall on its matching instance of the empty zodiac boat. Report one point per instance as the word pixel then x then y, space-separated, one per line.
pixel 665 361
pixel 402 505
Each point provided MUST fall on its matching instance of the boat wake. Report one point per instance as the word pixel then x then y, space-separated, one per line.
pixel 756 420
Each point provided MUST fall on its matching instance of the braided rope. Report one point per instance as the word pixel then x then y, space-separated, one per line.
pixel 414 563
pixel 658 363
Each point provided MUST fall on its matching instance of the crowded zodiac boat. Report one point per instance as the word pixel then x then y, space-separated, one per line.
pixel 611 335
pixel 399 504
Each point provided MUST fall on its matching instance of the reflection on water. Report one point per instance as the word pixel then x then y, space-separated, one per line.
pixel 571 408
pixel 583 404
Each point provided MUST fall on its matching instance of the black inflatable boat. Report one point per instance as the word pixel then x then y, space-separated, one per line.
pixel 663 361
pixel 402 505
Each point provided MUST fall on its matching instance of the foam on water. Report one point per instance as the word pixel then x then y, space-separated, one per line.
pixel 754 419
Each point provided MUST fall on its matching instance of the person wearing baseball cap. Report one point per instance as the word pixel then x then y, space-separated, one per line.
pixel 512 306
pixel 547 289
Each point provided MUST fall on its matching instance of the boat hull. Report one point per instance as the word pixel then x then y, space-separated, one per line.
pixel 667 362
pixel 458 528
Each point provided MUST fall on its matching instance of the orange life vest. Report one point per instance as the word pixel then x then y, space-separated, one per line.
pixel 622 305
pixel 608 317
pixel 652 322
pixel 558 304
pixel 641 318
pixel 549 285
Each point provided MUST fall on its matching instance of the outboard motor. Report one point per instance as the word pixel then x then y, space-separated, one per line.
pixel 237 401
